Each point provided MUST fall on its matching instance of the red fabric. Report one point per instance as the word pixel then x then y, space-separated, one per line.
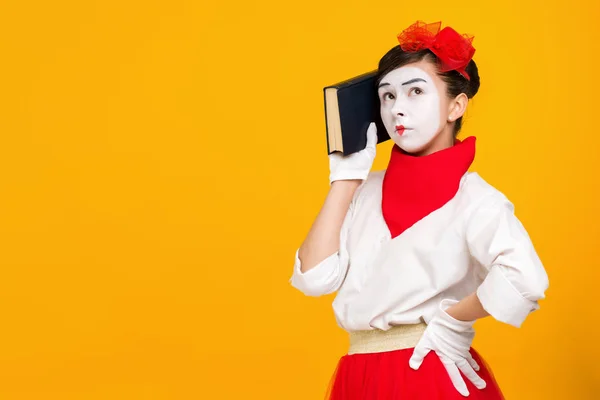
pixel 387 376
pixel 413 187
pixel 454 50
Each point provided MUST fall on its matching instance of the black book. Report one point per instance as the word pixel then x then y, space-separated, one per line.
pixel 350 106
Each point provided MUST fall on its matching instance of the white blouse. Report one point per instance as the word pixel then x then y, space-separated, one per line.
pixel 472 243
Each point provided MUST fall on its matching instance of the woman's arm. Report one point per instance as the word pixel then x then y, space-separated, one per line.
pixel 322 260
pixel 323 239
pixel 468 309
pixel 516 278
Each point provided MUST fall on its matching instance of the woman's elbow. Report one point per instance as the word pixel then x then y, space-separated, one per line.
pixel 536 287
pixel 324 278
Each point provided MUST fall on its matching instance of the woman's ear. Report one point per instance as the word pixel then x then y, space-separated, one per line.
pixel 458 106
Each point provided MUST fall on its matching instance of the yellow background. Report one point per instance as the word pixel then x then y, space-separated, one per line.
pixel 160 162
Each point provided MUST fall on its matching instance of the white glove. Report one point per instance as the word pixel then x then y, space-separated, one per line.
pixel 356 165
pixel 451 340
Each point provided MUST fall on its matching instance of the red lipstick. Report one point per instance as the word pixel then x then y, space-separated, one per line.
pixel 400 129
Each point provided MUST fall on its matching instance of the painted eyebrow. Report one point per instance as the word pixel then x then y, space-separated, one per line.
pixel 413 81
pixel 405 83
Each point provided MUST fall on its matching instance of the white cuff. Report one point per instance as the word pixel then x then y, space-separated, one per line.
pixel 456 324
pixel 502 301
pixel 348 175
pixel 319 280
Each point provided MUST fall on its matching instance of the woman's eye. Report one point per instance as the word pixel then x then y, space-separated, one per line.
pixel 416 91
pixel 385 96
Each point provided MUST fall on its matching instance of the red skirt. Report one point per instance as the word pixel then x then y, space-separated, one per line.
pixel 387 376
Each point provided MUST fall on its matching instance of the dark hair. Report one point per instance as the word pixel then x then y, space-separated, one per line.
pixel 456 83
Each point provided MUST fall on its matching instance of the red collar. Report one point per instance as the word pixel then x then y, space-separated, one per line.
pixel 413 187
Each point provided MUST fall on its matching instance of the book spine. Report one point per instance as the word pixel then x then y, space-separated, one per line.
pixel 326 125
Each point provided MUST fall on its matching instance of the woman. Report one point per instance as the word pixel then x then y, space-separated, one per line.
pixel 420 251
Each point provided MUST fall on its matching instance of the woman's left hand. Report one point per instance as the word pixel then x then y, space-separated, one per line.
pixel 451 340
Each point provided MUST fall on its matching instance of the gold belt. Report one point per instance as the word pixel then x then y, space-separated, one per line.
pixel 377 341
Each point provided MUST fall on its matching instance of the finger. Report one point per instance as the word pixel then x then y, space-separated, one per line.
pixel 472 362
pixel 456 378
pixel 418 355
pixel 372 135
pixel 466 369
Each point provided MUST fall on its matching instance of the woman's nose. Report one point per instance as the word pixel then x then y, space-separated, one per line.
pixel 398 110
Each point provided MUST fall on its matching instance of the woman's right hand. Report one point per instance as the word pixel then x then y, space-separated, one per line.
pixel 356 165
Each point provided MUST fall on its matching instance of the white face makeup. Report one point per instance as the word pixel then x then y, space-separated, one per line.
pixel 410 100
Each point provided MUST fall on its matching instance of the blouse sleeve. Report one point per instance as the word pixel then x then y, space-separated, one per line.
pixel 327 276
pixel 516 278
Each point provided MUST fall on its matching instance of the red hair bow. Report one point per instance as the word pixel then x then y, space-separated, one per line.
pixel 452 49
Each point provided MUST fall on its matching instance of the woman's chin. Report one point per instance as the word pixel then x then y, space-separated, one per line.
pixel 407 145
